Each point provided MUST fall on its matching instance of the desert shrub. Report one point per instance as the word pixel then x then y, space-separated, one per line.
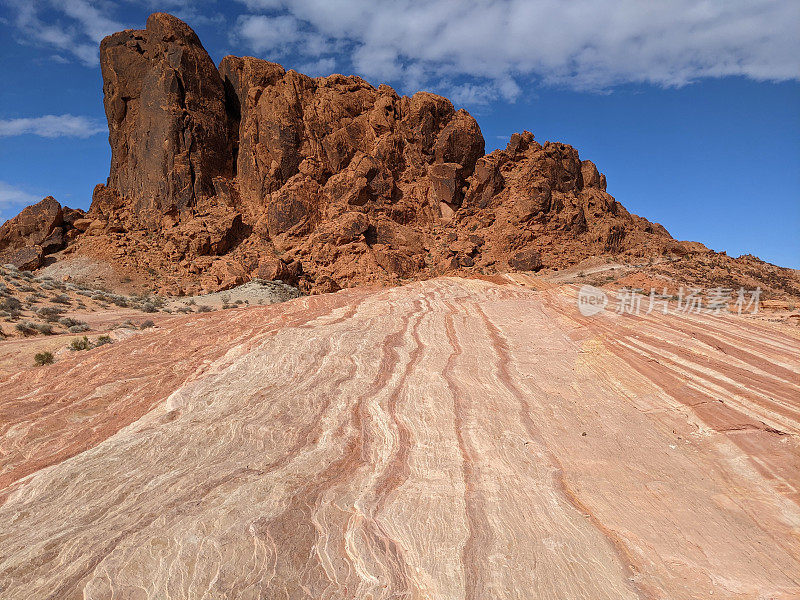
pixel 80 344
pixel 148 307
pixel 26 328
pixel 10 303
pixel 50 314
pixel 78 328
pixel 147 324
pixel 43 328
pixel 61 299
pixel 185 309
pixel 26 288
pixel 43 358
pixel 202 308
pixel 102 340
pixel 191 302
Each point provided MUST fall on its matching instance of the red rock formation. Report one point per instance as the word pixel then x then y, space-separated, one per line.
pixel 165 104
pixel 219 175
pixel 38 230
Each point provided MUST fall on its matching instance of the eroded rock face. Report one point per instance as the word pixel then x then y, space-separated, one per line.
pixel 31 226
pixel 168 126
pixel 337 142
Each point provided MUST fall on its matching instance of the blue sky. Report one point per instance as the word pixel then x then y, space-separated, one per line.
pixel 692 109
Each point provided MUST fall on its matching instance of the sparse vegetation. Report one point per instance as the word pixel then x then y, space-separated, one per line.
pixel 26 328
pixel 147 324
pixel 80 344
pixel 102 340
pixel 202 308
pixel 50 314
pixel 43 328
pixel 43 358
pixel 10 303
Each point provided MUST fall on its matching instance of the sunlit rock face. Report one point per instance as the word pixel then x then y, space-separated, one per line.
pixel 447 439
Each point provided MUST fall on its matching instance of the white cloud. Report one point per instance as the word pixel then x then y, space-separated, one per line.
pixel 263 33
pixel 13 197
pixel 51 126
pixel 94 24
pixel 581 44
pixel 73 26
pixel 318 68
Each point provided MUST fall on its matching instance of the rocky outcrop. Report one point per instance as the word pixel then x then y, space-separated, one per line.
pixel 167 121
pixel 215 169
pixel 311 149
pixel 38 230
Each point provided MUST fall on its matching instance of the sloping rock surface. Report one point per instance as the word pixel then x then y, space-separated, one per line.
pixel 447 439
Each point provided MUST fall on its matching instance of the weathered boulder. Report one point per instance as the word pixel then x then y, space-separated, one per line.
pixel 37 230
pixel 31 226
pixel 272 268
pixel 525 260
pixel 27 258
